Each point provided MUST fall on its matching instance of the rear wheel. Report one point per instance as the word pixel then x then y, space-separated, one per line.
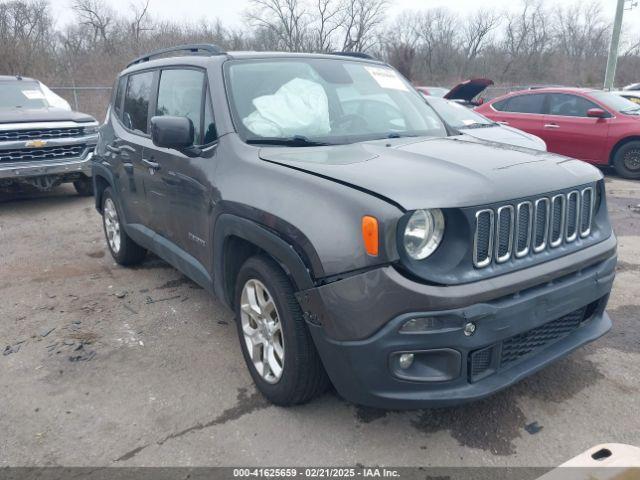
pixel 123 249
pixel 627 160
pixel 275 341
pixel 84 187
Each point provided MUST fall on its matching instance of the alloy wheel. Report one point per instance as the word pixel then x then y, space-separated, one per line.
pixel 262 330
pixel 111 225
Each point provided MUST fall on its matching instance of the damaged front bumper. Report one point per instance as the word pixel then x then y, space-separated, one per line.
pixel 522 321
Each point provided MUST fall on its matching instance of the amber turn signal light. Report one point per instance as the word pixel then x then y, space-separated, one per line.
pixel 370 234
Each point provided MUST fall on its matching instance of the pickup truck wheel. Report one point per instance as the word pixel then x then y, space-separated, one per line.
pixel 123 250
pixel 627 160
pixel 84 187
pixel 276 344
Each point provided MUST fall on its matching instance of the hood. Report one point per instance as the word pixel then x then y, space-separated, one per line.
pixel 438 172
pixel 468 89
pixel 506 134
pixel 20 115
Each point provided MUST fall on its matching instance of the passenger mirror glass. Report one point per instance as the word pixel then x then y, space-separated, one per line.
pixel 172 132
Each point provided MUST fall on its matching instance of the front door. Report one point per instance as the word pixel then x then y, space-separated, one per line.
pixel 569 131
pixel 184 198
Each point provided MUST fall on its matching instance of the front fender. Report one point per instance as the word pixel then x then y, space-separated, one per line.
pixel 228 225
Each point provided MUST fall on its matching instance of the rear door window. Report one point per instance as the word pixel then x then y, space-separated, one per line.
pixel 530 103
pixel 180 94
pixel 135 115
pixel 567 105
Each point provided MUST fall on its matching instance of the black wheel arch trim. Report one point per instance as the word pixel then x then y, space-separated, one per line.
pixel 229 225
pixel 101 171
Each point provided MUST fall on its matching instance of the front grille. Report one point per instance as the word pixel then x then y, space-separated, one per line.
pixel 532 226
pixel 40 154
pixel 488 360
pixel 40 134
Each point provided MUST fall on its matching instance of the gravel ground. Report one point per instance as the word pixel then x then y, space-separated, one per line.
pixel 104 365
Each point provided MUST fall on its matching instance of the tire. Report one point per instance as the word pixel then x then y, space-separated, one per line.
pixel 84 187
pixel 123 249
pixel 627 160
pixel 302 375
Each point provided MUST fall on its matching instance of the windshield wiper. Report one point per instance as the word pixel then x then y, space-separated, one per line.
pixel 477 125
pixel 295 141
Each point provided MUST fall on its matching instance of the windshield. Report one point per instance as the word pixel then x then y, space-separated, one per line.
pixel 617 103
pixel 310 101
pixel 457 115
pixel 21 94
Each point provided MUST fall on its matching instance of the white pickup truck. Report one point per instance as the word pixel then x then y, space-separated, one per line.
pixel 42 141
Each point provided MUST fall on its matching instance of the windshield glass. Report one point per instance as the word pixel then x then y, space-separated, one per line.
pixel 21 94
pixel 308 101
pixel 457 115
pixel 617 103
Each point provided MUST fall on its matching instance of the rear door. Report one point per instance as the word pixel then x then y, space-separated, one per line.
pixel 131 109
pixel 569 131
pixel 184 200
pixel 524 111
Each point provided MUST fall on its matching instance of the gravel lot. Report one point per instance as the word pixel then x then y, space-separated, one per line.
pixel 122 367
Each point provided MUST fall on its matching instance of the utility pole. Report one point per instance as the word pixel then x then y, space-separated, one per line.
pixel 612 60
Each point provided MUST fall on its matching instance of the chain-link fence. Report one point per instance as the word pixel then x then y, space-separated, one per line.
pixel 91 100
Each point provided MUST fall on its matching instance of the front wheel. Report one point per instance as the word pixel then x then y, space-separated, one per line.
pixel 627 160
pixel 123 249
pixel 276 344
pixel 84 187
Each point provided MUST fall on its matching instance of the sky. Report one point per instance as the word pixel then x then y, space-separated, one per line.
pixel 230 12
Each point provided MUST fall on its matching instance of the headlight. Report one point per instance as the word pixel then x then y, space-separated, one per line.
pixel 423 233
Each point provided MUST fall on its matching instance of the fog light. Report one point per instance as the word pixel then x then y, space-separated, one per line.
pixel 405 360
pixel 469 329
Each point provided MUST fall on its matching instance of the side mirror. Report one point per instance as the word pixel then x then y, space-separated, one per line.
pixel 172 132
pixel 597 113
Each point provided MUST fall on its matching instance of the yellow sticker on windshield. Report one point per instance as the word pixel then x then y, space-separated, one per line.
pixel 387 78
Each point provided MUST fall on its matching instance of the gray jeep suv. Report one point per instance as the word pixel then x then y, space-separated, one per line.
pixel 42 141
pixel 359 239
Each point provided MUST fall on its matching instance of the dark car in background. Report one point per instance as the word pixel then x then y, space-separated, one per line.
pixel 358 238
pixel 464 93
pixel 43 143
pixel 591 125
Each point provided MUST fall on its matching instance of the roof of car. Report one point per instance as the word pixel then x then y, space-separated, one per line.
pixel 202 60
pixel 556 90
pixel 15 78
pixel 630 93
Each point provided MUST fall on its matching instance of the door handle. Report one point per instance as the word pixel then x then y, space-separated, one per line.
pixel 151 164
pixel 551 125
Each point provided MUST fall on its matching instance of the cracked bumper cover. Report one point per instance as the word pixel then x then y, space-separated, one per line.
pixel 355 325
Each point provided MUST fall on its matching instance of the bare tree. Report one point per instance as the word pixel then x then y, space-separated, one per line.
pixel 475 35
pixel 328 21
pixel 97 15
pixel 286 20
pixel 361 19
pixel 140 22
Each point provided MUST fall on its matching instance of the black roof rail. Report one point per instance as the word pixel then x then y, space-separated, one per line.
pixel 208 48
pixel 354 54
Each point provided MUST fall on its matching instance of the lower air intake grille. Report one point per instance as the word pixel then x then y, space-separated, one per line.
pixel 484 362
pixel 519 346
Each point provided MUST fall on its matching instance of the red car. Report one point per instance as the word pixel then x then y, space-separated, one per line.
pixel 591 125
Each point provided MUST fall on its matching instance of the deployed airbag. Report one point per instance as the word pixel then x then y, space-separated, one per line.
pixel 299 107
